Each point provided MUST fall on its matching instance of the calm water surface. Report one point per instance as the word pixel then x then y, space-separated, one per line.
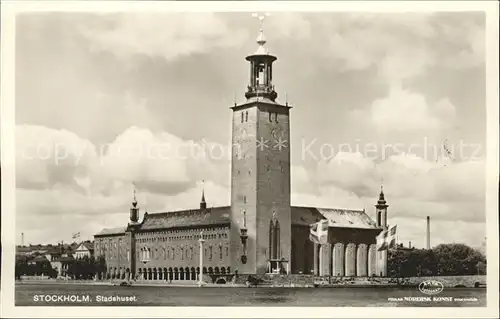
pixel 218 296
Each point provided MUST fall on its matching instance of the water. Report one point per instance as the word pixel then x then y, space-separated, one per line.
pixel 227 296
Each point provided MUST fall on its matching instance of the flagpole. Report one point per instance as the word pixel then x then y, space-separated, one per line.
pixel 397 238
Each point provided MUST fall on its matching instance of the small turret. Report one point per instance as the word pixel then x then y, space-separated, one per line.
pixel 381 209
pixel 203 203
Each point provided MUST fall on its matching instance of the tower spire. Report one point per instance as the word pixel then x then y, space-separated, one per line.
pixel 261 39
pixel 203 203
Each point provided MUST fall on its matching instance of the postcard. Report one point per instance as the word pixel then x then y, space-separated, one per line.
pixel 249 159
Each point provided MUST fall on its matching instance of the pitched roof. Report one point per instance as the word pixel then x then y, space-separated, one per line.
pixel 88 245
pixel 183 218
pixel 301 215
pixel 112 231
pixel 344 218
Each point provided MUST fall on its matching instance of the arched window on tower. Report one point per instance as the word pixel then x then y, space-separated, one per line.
pixel 242 117
pixel 270 120
pixel 276 117
pixel 246 116
pixel 274 238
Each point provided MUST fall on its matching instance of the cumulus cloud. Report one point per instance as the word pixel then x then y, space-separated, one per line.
pixel 404 110
pixel 47 156
pixel 449 192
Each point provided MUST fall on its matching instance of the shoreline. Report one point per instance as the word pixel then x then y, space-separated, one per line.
pixel 208 285
pixel 278 282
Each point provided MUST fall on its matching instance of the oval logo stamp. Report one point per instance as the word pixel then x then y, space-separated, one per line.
pixel 430 287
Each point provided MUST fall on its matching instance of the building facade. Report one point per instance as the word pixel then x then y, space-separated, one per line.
pixel 85 249
pixel 260 232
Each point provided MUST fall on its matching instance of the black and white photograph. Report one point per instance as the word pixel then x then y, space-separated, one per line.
pixel 248 158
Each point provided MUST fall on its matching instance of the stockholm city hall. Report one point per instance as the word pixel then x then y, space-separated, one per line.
pixel 260 232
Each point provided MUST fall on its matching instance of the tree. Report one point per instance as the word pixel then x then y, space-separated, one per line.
pixel 457 259
pixel 443 260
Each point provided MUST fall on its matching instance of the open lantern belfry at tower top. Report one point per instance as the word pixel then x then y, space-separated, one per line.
pixel 259 232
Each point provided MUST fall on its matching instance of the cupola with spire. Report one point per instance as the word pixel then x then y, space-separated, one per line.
pixel 261 74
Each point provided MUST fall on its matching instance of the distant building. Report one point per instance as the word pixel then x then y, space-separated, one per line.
pixel 260 232
pixel 85 249
pixel 61 264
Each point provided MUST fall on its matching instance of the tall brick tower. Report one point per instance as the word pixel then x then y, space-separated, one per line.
pixel 260 173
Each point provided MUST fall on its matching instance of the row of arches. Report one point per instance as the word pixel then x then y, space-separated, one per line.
pixel 178 273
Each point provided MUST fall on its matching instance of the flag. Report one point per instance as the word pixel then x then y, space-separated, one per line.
pixel 319 232
pixel 387 239
pixel 76 235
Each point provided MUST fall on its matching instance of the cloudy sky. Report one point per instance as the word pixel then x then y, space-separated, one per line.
pixel 374 96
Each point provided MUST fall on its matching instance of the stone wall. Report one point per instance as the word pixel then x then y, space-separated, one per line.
pixel 451 281
pixel 310 280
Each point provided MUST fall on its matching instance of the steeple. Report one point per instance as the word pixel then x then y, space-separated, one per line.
pixel 261 74
pixel 203 203
pixel 381 197
pixel 381 209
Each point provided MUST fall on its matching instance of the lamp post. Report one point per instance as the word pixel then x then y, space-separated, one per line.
pixel 201 241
